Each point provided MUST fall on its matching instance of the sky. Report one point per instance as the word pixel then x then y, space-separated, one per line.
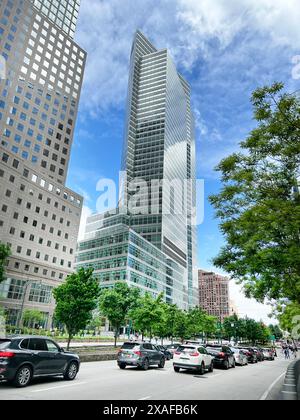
pixel 224 48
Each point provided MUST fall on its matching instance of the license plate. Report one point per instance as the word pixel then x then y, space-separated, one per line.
pixel 184 358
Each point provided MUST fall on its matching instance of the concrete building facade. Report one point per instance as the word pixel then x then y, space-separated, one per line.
pixel 214 294
pixel 39 96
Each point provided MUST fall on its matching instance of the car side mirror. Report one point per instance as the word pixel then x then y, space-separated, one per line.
pixel 61 349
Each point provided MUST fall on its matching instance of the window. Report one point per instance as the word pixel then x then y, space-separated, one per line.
pixel 52 347
pixel 37 344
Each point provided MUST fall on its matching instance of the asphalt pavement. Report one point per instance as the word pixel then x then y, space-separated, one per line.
pixel 105 381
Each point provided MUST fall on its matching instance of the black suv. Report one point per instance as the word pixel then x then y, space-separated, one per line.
pixel 24 358
pixel 223 356
pixel 141 355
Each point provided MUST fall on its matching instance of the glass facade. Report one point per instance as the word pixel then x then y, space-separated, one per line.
pixel 118 253
pixel 159 148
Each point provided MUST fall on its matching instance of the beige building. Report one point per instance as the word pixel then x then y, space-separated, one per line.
pixel 39 96
pixel 214 294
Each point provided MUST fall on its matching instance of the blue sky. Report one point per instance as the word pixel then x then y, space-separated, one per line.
pixel 224 48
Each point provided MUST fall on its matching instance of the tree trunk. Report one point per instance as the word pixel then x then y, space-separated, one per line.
pixel 69 341
pixel 116 335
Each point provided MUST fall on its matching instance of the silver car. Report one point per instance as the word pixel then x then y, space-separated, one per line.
pixel 239 356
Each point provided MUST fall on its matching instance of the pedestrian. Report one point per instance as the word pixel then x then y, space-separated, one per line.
pixel 287 353
pixel 295 352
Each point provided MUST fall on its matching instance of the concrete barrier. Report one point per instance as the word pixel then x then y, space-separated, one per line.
pixel 291 387
pixel 97 357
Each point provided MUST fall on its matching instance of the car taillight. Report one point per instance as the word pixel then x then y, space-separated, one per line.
pixel 138 353
pixel 196 354
pixel 6 354
pixel 221 354
pixel 177 352
pixel 248 353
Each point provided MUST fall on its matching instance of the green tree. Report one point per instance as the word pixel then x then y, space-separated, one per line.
pixel 148 314
pixel 232 327
pixel 32 317
pixel 182 330
pixel 116 304
pixel 75 299
pixel 276 331
pixel 5 252
pixel 289 319
pixel 259 203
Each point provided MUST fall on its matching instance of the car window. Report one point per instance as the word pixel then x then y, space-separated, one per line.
pixel 4 344
pixel 24 344
pixel 147 346
pixel 37 344
pixel 52 346
pixel 129 346
pixel 186 349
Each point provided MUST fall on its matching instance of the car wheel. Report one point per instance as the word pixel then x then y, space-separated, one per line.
pixel 233 364
pixel 71 371
pixel 226 365
pixel 122 365
pixel 211 367
pixel 176 369
pixel 202 369
pixel 23 377
pixel 162 363
pixel 145 365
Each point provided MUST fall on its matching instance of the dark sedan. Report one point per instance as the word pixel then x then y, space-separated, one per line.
pixel 251 355
pixel 24 358
pixel 223 356
pixel 165 351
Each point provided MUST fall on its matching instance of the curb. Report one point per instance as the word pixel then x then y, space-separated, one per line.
pixel 291 388
pixel 96 357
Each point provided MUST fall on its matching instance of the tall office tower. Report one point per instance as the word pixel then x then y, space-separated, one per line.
pixel 150 242
pixel 39 95
pixel 214 294
pixel 159 147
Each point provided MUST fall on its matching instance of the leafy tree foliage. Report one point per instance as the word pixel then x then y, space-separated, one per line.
pixel 116 304
pixel 75 299
pixel 5 252
pixel 259 203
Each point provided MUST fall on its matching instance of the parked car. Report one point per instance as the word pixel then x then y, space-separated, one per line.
pixel 251 355
pixel 165 351
pixel 141 355
pixel 223 356
pixel 239 356
pixel 193 357
pixel 268 354
pixel 259 354
pixel 172 348
pixel 25 358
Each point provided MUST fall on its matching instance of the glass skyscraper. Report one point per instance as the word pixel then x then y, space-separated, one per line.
pixel 39 97
pixel 159 163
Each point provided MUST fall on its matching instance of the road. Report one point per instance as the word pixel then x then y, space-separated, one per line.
pixel 105 381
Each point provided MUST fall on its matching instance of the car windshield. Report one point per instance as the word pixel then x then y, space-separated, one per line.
pixel 235 350
pixel 4 344
pixel 186 349
pixel 216 349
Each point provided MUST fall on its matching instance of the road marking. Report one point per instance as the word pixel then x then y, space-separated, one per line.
pixel 265 395
pixel 144 398
pixel 57 387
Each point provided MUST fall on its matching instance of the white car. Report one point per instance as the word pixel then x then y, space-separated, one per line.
pixel 192 356
pixel 239 356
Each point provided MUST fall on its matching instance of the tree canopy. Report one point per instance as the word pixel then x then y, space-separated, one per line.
pixel 259 203
pixel 5 252
pixel 116 303
pixel 75 299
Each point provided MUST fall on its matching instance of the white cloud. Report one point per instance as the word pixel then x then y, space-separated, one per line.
pixel 86 212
